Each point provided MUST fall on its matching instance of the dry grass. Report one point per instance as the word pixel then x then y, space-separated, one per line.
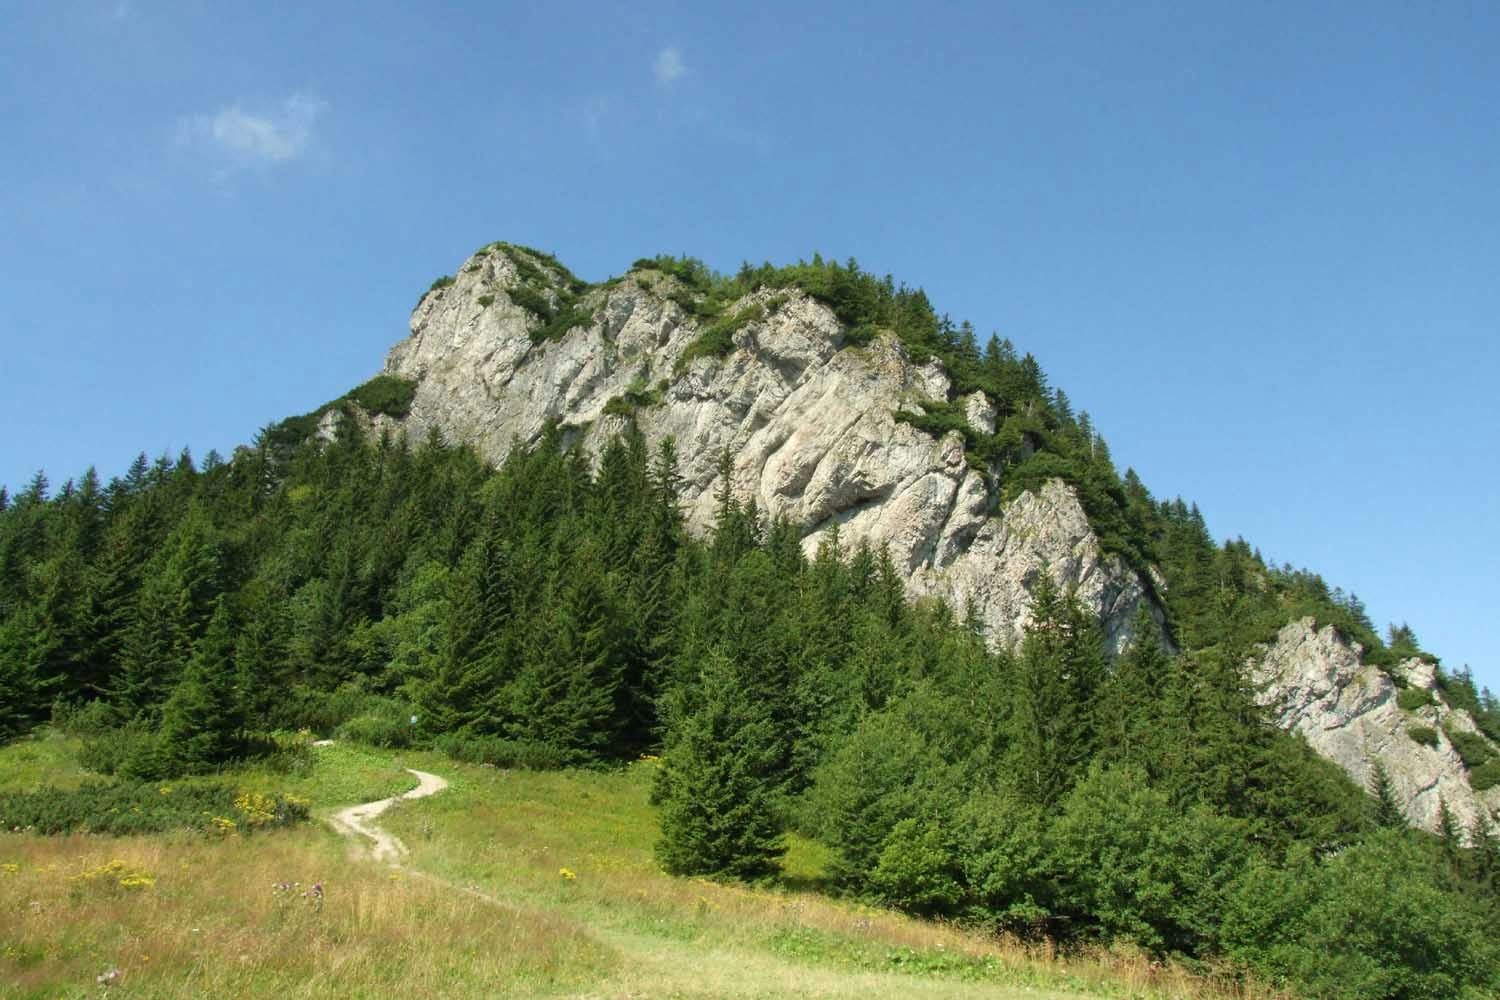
pixel 205 920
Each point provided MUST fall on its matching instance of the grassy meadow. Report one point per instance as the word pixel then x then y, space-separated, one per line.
pixel 518 884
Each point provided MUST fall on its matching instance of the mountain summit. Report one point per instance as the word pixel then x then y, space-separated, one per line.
pixel 838 402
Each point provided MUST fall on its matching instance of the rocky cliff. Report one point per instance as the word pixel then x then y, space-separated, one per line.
pixel 809 419
pixel 1351 713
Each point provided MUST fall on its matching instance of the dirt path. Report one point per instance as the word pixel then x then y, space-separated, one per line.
pixel 359 821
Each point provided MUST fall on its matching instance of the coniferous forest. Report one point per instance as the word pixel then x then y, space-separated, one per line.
pixel 554 612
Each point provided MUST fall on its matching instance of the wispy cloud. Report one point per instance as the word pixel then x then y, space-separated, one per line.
pixel 596 111
pixel 668 67
pixel 269 137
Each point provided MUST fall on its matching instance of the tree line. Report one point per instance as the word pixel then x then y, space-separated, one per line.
pixel 555 612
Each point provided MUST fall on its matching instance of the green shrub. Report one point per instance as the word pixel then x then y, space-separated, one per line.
pixel 684 300
pixel 1375 921
pixel 1471 747
pixel 717 339
pixel 440 283
pixel 1425 735
pixel 1414 698
pixel 111 750
pixel 92 718
pixel 525 259
pixel 485 301
pixel 1485 776
pixel 556 328
pixel 501 752
pixel 377 730
pixel 389 395
pixel 938 419
pixel 1139 867
pixel 381 722
pixel 916 871
pixel 135 807
pixel 635 397
pixel 323 712
pixel 282 752
pixel 532 301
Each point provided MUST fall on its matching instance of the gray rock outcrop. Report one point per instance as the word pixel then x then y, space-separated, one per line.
pixel 1315 684
pixel 810 422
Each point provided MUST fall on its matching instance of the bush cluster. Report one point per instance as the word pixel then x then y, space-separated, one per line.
pixel 498 751
pixel 386 395
pixel 1472 748
pixel 1413 698
pixel 136 807
pixel 1425 735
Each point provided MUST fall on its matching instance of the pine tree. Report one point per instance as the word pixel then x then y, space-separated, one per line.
pixel 1450 837
pixel 568 694
pixel 1059 670
pixel 476 655
pixel 262 674
pixel 1485 856
pixel 736 526
pixel 1385 811
pixel 717 783
pixel 176 599
pixel 201 724
pixel 20 690
pixel 1131 711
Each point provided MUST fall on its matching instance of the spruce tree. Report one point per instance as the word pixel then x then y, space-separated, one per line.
pixel 200 723
pixel 20 691
pixel 1385 811
pixel 1484 868
pixel 1131 710
pixel 1450 837
pixel 1059 669
pixel 718 782
pixel 568 694
pixel 476 655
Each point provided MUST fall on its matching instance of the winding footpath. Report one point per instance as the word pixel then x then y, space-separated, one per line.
pixel 359 821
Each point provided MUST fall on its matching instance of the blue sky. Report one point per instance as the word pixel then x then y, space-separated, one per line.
pixel 1259 243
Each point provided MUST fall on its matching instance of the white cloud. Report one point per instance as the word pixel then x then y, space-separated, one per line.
pixel 668 66
pixel 278 135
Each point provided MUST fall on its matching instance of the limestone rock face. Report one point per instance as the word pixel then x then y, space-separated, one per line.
pixel 1314 684
pixel 809 422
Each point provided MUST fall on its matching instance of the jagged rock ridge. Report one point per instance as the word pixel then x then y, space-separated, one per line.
pixel 809 421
